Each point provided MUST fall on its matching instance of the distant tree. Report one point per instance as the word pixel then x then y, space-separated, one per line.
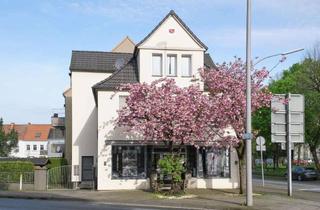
pixel 302 78
pixel 308 83
pixel 7 140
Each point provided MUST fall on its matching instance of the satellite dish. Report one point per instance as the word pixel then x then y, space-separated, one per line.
pixel 120 62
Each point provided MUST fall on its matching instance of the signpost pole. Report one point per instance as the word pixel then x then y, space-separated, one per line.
pixel 289 172
pixel 261 161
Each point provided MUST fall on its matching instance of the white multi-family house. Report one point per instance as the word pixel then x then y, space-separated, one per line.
pixel 32 139
pixel 38 140
pixel 113 157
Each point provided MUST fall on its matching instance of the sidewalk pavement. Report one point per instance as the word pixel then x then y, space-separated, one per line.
pixel 206 199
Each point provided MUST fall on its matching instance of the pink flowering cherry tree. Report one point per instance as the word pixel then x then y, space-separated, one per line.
pixel 227 90
pixel 164 112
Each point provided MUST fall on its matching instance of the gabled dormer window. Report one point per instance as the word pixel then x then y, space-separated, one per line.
pixel 156 65
pixel 171 65
pixel 37 135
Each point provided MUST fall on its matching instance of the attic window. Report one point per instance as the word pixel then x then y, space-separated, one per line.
pixel 37 136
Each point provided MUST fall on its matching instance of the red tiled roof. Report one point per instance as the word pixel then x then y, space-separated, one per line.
pixel 37 132
pixel 30 132
pixel 21 129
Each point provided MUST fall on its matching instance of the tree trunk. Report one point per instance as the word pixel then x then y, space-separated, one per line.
pixel 240 153
pixel 313 151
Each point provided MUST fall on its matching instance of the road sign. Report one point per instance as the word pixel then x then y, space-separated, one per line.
pixel 261 147
pixel 260 140
pixel 283 146
pixel 281 112
pixel 287 124
pixel 258 147
pixel 260 143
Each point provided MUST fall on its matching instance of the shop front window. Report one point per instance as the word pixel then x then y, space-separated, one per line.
pixel 128 162
pixel 213 162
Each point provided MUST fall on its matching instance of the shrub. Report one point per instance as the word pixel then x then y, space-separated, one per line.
pixel 172 165
pixel 16 166
pixel 10 171
pixel 56 162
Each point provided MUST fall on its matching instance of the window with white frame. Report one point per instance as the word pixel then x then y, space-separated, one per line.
pixel 171 65
pixel 34 147
pixel 41 147
pixel 156 65
pixel 28 147
pixel 186 65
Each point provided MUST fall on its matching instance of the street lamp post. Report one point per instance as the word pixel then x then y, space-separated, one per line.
pixel 248 136
pixel 278 54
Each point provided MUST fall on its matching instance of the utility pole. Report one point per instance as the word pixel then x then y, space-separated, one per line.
pixel 289 171
pixel 248 136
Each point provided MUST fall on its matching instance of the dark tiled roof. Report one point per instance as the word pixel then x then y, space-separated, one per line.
pixel 208 62
pixel 130 74
pixel 96 61
pixel 172 13
pixel 127 74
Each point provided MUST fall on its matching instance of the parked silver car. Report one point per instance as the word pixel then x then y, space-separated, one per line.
pixel 304 173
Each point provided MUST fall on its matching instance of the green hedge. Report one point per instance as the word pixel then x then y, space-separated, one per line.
pixel 16 166
pixel 55 162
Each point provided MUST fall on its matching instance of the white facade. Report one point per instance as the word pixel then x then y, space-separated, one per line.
pixel 27 148
pixel 93 132
pixel 84 117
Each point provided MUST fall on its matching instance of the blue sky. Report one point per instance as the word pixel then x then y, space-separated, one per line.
pixel 37 37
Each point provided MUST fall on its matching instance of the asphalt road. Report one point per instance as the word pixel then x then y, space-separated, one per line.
pixel 33 204
pixel 308 186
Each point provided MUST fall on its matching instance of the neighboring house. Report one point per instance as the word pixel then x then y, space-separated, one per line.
pixel 39 140
pixel 33 140
pixel 121 162
pixel 56 139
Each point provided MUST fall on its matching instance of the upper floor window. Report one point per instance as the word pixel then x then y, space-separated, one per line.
pixel 122 101
pixel 171 65
pixel 34 147
pixel 186 65
pixel 156 65
pixel 28 147
pixel 41 147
